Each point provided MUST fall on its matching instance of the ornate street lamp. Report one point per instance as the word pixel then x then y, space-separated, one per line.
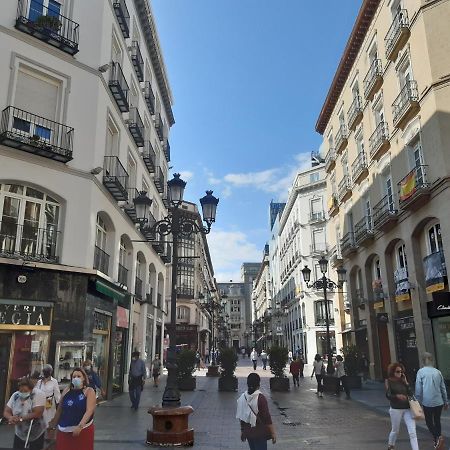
pixel 142 205
pixel 178 225
pixel 326 285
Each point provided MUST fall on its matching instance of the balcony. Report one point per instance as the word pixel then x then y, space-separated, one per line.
pixel 364 232
pixel 322 322
pixel 149 97
pixel 122 276
pixel 379 141
pixel 101 260
pixel 341 139
pixel 159 126
pixel 355 113
pixel 149 157
pixel 333 205
pixel 385 215
pixel 330 160
pixel 414 189
pixel 398 35
pixel 344 189
pixel 373 80
pixel 360 169
pixel 123 17
pixel 406 105
pixel 137 60
pixel 46 24
pixel 358 299
pixel 318 216
pixel 149 235
pixel 167 255
pixel 158 245
pixel 138 287
pixel 118 86
pixel 166 149
pixel 129 206
pixel 30 133
pixel 336 256
pixel 29 242
pixel 318 248
pixel 348 244
pixel 136 127
pixel 115 178
pixel 159 180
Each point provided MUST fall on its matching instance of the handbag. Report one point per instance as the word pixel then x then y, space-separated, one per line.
pixel 415 408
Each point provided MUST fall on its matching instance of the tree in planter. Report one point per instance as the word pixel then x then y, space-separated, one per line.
pixel 278 357
pixel 228 362
pixel 186 367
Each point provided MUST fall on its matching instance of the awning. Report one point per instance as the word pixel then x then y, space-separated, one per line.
pixel 109 291
pixel 262 337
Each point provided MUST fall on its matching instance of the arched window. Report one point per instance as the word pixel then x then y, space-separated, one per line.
pixel 434 239
pixel 28 223
pixel 183 313
pixel 101 257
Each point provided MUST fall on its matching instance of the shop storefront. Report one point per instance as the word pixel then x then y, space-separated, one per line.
pixel 439 313
pixel 24 341
pixel 407 353
pixel 119 349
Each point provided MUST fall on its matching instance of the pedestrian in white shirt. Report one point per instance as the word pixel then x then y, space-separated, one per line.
pixel 254 358
pixel 290 356
pixel 49 386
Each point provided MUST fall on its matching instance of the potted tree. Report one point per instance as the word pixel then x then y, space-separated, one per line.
pixel 228 362
pixel 278 357
pixel 186 367
pixel 351 361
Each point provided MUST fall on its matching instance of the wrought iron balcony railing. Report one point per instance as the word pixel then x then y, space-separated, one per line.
pixel 159 126
pixel 341 138
pixel 123 17
pixel 359 167
pixel 101 260
pixel 355 112
pixel 344 188
pixel 384 212
pixel 159 180
pixel 118 86
pixel 136 127
pixel 330 160
pixel 397 34
pixel 364 230
pixel 129 206
pixel 348 244
pixel 48 25
pixel 413 187
pixel 138 287
pixel 137 60
pixel 407 100
pixel 35 134
pixel 149 97
pixel 374 79
pixel 115 178
pixel 149 156
pixel 122 275
pixel 379 140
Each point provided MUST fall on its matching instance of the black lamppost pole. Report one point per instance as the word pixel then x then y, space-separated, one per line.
pixel 327 285
pixel 178 225
pixel 211 306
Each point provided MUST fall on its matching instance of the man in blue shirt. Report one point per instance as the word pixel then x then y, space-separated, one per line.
pixel 136 377
pixel 432 394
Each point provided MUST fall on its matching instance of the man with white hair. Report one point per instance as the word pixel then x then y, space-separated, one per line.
pixel 49 386
pixel 432 394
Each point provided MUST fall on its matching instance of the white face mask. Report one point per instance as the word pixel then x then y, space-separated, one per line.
pixel 87 368
pixel 77 383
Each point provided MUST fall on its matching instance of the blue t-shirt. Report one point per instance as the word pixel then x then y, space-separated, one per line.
pixel 74 406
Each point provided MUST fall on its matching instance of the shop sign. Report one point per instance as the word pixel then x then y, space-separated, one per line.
pixel 435 272
pixel 185 327
pixel 440 306
pixel 402 285
pixel 101 321
pixel 122 317
pixel 378 305
pixel 23 316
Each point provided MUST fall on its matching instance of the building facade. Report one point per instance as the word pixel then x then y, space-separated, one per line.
pixel 85 120
pixel 385 123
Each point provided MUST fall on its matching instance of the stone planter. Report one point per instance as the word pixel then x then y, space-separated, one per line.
pixel 228 384
pixel 330 383
pixel 354 382
pixel 213 371
pixel 279 384
pixel 187 384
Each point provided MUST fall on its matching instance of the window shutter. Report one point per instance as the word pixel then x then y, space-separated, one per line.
pixel 36 95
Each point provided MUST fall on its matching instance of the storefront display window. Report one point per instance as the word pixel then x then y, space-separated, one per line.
pixel 70 355
pixel 441 330
pixel 101 338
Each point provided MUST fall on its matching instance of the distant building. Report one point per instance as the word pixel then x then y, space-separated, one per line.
pixel 275 210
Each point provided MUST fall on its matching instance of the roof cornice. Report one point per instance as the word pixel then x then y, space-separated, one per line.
pixel 354 43
pixel 152 42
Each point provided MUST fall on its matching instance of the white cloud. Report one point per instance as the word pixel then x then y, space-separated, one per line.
pixel 251 178
pixel 229 249
pixel 186 175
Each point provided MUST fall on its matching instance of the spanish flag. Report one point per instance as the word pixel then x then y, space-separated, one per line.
pixel 408 186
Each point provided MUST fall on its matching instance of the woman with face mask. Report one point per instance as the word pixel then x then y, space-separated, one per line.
pixel 75 415
pixel 25 410
pixel 49 386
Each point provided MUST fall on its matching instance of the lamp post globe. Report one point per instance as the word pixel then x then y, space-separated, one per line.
pixel 342 275
pixel 323 264
pixel 175 191
pixel 209 207
pixel 306 272
pixel 142 204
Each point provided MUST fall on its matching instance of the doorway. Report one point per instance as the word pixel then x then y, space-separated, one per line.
pixel 5 350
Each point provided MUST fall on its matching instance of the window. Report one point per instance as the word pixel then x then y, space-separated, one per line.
pixel 112 139
pixel 367 212
pixel 183 313
pixel 401 257
pixel 28 222
pixel 389 191
pixel 320 312
pixel 101 234
pixel 341 119
pixel 134 98
pixel 318 237
pixel 344 161
pixel 40 8
pixel 435 239
pixel 131 169
pixel 313 177
pixel 185 275
pixel 123 253
pixel 360 143
pixel 378 111
pixel 116 50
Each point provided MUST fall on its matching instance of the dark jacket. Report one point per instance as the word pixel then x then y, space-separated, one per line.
pixel 263 419
pixel 394 388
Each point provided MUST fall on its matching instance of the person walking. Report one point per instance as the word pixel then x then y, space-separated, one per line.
pixel 197 359
pixel 264 359
pixel 207 359
pixel 243 352
pixel 253 413
pixel 25 410
pixel 302 366
pixel 289 356
pixel 398 391
pixel 94 380
pixel 136 379
pixel 363 364
pixel 294 368
pixel 49 386
pixel 341 376
pixel 432 394
pixel 254 358
pixel 319 372
pixel 75 414
pixel 156 370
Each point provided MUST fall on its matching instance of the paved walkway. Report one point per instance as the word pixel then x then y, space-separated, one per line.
pixel 302 420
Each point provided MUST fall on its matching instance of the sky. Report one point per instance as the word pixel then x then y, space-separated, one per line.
pixel 249 78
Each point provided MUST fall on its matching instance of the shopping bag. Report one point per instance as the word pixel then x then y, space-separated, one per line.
pixel 416 409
